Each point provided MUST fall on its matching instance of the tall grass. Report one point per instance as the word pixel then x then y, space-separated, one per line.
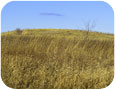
pixel 44 59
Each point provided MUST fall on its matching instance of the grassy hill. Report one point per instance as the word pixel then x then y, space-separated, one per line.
pixel 57 58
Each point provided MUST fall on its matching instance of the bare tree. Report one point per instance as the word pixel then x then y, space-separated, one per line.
pixel 89 26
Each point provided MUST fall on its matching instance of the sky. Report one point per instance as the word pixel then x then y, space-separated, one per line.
pixel 57 14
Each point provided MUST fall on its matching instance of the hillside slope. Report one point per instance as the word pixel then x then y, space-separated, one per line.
pixel 56 58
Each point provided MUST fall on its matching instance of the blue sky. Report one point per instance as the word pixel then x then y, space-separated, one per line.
pixel 57 14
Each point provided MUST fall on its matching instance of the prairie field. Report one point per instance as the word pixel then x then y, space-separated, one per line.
pixel 57 59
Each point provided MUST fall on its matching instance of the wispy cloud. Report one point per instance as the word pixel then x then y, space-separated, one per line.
pixel 51 14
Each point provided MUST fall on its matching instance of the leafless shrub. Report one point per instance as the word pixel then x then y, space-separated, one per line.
pixel 89 26
pixel 18 31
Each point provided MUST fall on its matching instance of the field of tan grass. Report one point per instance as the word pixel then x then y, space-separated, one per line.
pixel 57 59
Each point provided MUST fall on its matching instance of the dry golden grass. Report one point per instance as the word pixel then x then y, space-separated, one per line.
pixel 54 59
